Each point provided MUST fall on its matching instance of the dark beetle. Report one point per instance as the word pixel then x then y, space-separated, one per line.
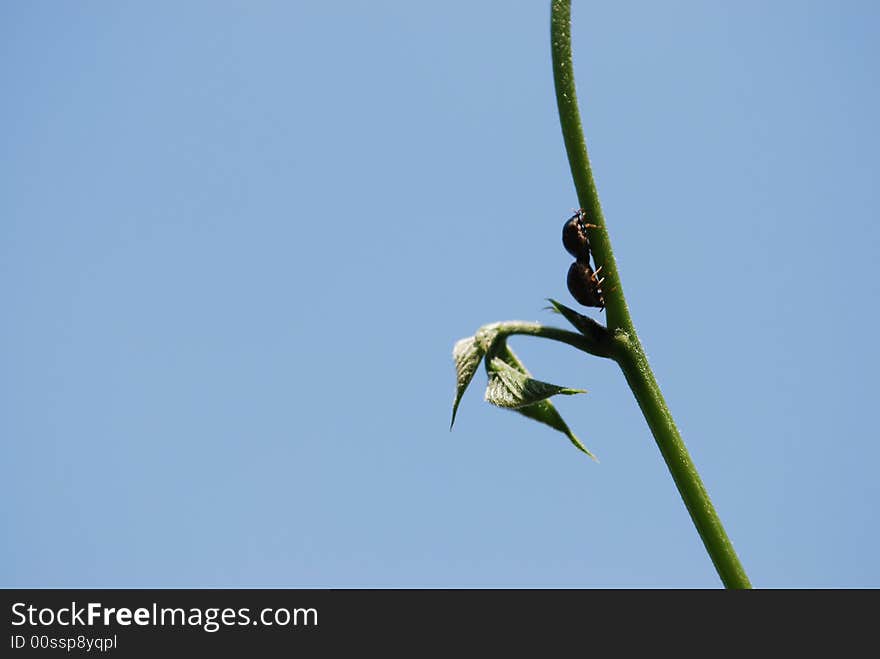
pixel 585 285
pixel 575 238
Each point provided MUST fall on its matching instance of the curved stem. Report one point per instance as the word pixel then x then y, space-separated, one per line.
pixel 627 350
pixel 599 348
pixel 634 364
pixel 579 161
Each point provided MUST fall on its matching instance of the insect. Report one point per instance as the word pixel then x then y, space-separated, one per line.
pixel 585 286
pixel 583 282
pixel 574 235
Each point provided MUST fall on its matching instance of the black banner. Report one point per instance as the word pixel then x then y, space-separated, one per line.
pixel 125 623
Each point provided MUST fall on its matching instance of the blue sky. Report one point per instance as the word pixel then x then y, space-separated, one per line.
pixel 238 241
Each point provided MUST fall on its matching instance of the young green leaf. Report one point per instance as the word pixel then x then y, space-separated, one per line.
pixel 542 411
pixel 546 413
pixel 467 354
pixel 583 324
pixel 510 387
pixel 486 336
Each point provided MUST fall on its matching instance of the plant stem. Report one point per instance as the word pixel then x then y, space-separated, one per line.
pixel 600 348
pixel 579 161
pixel 640 378
pixel 628 351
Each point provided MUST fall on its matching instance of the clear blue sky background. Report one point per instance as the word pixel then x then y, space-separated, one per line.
pixel 238 240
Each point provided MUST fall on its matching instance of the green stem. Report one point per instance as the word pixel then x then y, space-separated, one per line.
pixel 628 351
pixel 631 358
pixel 600 347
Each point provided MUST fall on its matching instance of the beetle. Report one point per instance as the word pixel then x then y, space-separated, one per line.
pixel 583 282
pixel 585 286
pixel 574 235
